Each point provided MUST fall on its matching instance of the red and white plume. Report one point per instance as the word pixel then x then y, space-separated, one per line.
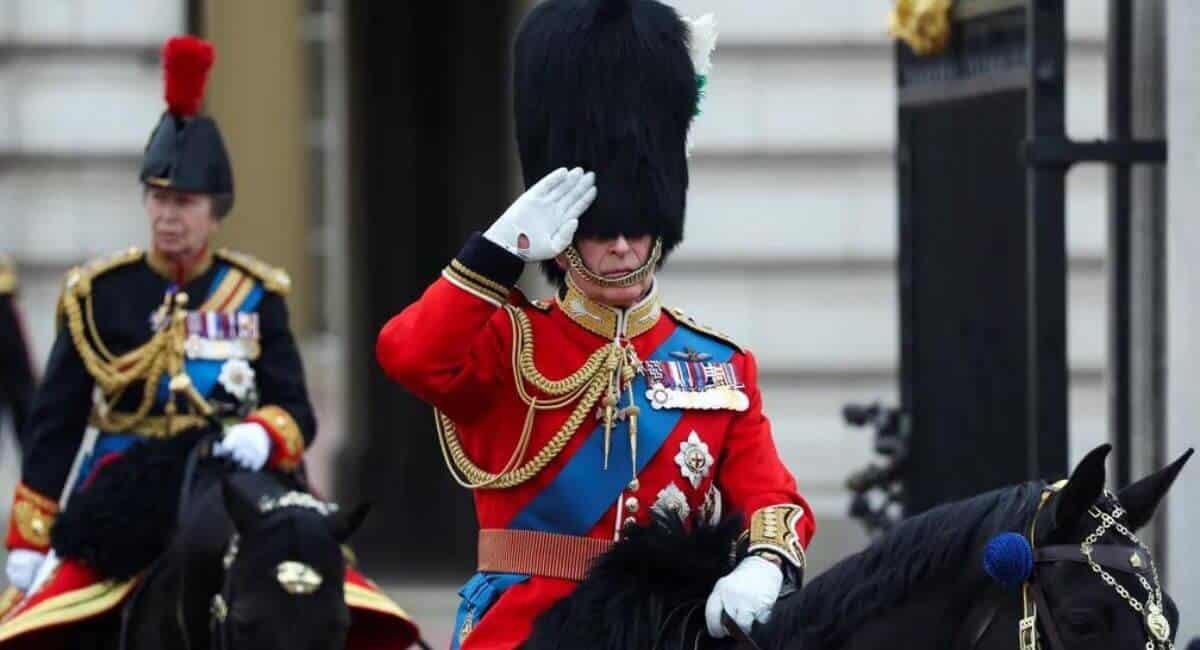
pixel 186 62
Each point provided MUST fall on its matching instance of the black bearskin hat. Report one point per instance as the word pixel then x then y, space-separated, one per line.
pixel 186 151
pixel 609 86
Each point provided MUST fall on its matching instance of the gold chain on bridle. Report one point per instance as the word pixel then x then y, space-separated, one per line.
pixel 1157 625
pixel 599 380
pixel 1152 612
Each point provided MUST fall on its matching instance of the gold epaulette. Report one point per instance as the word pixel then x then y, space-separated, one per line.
pixel 8 276
pixel 273 278
pixel 79 279
pixel 687 321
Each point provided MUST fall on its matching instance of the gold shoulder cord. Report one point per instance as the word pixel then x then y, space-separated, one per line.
pixel 585 387
pixel 163 353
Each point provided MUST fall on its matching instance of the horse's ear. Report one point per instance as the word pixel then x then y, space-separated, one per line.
pixel 1082 490
pixel 240 508
pixel 345 524
pixel 1141 499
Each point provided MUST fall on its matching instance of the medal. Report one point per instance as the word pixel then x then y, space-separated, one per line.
pixel 694 384
pixel 694 459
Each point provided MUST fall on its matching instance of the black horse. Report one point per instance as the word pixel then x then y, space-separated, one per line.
pixel 254 562
pixel 924 584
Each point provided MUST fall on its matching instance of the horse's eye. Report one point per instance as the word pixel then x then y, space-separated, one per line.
pixel 1082 623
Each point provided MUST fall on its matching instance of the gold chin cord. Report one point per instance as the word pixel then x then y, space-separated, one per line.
pixel 628 280
pixel 599 381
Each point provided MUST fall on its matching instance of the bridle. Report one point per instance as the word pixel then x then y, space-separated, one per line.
pixel 222 601
pixel 219 609
pixel 688 611
pixel 1132 559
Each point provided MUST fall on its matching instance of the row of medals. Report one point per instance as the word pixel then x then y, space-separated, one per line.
pixel 712 399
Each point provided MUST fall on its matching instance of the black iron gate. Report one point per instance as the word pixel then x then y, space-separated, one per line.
pixel 982 160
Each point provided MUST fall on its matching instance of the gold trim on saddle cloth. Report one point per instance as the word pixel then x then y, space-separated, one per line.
pixel 361 597
pixel 66 608
pixel 550 555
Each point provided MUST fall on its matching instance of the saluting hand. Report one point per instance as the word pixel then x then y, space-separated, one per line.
pixel 541 223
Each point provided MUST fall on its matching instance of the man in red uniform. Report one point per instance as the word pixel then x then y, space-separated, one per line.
pixel 576 418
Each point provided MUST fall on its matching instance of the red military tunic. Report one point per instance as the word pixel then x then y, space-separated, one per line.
pixel 454 348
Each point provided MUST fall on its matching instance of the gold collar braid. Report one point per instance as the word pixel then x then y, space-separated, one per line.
pixel 607 372
pixel 609 322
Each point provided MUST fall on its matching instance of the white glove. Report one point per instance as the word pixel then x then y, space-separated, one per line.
pixel 547 215
pixel 22 567
pixel 247 444
pixel 748 593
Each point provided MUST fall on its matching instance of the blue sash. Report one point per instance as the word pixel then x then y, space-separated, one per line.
pixel 204 372
pixel 583 491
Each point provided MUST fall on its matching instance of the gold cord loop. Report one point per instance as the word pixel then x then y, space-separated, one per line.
pixel 584 388
pixel 162 354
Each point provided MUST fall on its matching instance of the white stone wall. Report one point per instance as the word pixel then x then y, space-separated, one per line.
pixel 80 91
pixel 792 229
pixel 1183 307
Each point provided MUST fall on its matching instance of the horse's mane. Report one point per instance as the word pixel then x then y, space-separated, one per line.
pixel 943 544
pixel 647 592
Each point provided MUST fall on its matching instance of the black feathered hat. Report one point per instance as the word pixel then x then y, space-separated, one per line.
pixel 609 86
pixel 186 151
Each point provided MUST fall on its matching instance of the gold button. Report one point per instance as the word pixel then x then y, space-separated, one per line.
pixel 280 421
pixel 38 525
pixel 634 485
pixel 630 521
pixel 181 299
pixel 631 504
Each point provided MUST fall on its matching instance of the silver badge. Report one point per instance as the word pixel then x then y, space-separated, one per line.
pixel 672 501
pixel 694 460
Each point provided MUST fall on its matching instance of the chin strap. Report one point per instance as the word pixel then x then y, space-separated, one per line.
pixel 628 280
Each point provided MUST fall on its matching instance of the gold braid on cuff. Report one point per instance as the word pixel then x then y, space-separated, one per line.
pixel 284 432
pixel 628 280
pixel 773 528
pixel 33 516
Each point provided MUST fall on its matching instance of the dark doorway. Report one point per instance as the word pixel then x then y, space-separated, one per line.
pixel 430 161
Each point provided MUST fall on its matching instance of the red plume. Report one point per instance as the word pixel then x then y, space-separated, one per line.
pixel 186 61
